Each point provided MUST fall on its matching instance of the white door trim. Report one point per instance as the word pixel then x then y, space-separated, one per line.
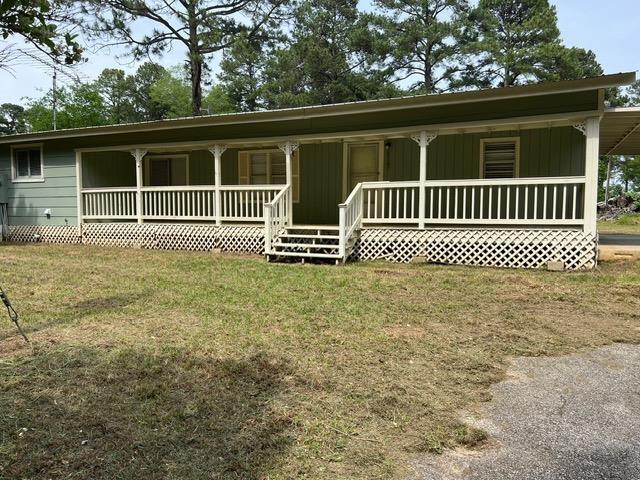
pixel 345 163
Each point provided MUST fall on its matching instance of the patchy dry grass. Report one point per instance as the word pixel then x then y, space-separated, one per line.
pixel 624 224
pixel 182 365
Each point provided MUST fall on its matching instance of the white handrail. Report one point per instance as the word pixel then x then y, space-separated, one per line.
pixel 276 217
pixel 349 219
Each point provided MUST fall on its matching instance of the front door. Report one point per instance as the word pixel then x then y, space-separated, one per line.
pixel 363 164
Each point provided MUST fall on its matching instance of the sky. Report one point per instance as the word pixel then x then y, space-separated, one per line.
pixel 609 28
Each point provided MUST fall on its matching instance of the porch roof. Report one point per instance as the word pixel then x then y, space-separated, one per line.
pixel 620 131
pixel 565 100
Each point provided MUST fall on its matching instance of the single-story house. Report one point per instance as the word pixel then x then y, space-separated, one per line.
pixel 501 177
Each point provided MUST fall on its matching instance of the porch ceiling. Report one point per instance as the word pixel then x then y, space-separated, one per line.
pixel 620 131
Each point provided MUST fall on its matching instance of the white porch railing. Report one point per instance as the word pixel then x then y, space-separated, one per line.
pixel 349 218
pixel 276 217
pixel 520 201
pixel 179 203
pixel 243 203
pixel 238 203
pixel 109 203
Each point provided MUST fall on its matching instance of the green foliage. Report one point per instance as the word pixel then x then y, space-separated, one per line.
pixel 78 106
pixel 242 73
pixel 12 119
pixel 425 41
pixel 174 93
pixel 201 27
pixel 327 58
pixel 32 20
pixel 516 41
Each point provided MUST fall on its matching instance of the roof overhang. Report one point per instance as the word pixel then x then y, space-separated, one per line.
pixel 620 131
pixel 403 103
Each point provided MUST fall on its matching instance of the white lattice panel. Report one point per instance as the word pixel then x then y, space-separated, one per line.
pixel 510 248
pixel 229 238
pixel 44 233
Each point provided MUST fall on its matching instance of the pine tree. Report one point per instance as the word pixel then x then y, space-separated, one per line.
pixel 516 41
pixel 328 58
pixel 426 41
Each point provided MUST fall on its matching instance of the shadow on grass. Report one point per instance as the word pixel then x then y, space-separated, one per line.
pixel 73 312
pixel 89 413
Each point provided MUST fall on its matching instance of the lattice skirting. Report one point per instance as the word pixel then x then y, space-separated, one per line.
pixel 44 233
pixel 228 238
pixel 510 248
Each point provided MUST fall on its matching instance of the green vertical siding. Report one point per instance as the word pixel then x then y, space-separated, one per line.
pixel 543 152
pixel 27 201
pixel 108 169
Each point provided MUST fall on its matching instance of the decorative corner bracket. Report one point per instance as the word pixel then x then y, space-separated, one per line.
pixel 288 147
pixel 581 127
pixel 217 150
pixel 138 154
pixel 424 138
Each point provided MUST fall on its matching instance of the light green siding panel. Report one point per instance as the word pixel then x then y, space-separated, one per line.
pixel 27 201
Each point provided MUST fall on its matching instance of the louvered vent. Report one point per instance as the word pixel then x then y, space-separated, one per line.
pixel 500 160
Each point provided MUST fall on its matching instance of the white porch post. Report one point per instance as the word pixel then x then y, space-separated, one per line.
pixel 423 139
pixel 592 132
pixel 217 151
pixel 138 155
pixel 79 204
pixel 288 148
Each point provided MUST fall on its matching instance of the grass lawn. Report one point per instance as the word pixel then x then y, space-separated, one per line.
pixel 624 224
pixel 190 365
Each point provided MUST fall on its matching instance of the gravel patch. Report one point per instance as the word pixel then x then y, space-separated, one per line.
pixel 572 418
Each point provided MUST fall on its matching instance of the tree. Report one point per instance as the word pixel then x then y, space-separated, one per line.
pixel 629 168
pixel 201 27
pixel 426 41
pixel 515 42
pixel 117 91
pixel 172 92
pixel 634 93
pixel 79 106
pixel 147 75
pixel 327 59
pixel 12 119
pixel 242 74
pixel 35 22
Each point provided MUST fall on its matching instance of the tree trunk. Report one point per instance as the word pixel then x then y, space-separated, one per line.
pixel 606 188
pixel 195 68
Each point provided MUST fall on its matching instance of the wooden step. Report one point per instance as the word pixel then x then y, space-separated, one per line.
pixel 308 236
pixel 307 255
pixel 305 245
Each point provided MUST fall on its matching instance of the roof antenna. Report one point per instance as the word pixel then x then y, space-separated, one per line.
pixel 13 315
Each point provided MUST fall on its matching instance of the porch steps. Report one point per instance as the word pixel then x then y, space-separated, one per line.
pixel 309 242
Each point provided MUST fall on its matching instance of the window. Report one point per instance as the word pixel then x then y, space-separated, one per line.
pixel 27 164
pixel 499 157
pixel 268 167
pixel 166 170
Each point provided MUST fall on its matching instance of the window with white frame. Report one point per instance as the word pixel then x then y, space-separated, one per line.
pixel 499 157
pixel 27 163
pixel 268 167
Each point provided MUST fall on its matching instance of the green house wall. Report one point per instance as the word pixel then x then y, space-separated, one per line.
pixel 543 152
pixel 28 201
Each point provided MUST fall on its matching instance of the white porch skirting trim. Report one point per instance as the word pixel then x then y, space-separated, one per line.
pixel 248 239
pixel 509 248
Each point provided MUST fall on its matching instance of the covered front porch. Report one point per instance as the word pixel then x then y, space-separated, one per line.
pixel 334 188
